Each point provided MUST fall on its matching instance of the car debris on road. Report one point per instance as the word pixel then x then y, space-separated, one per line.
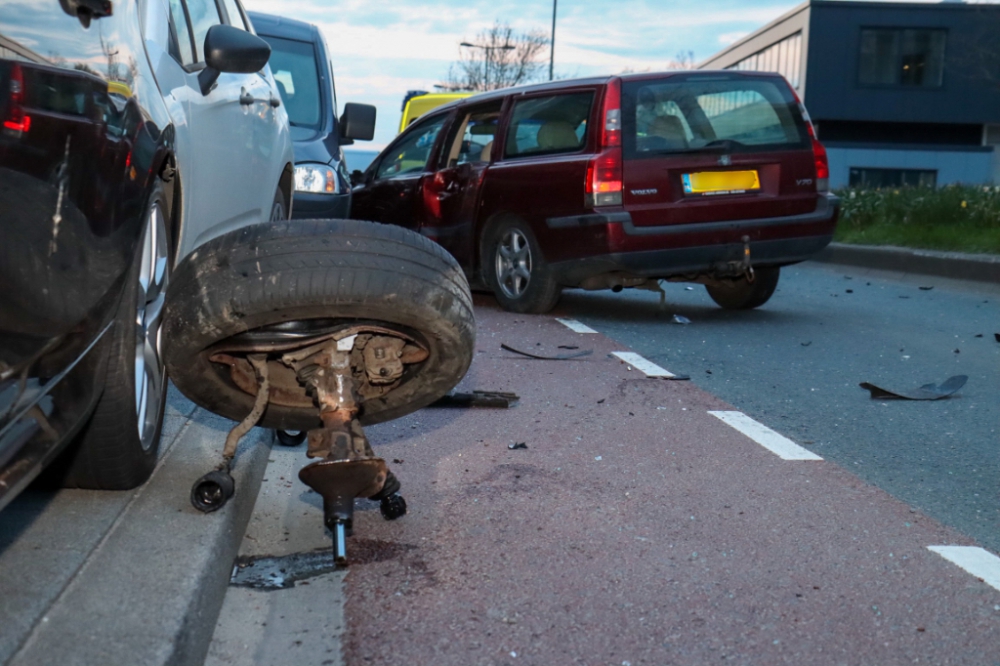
pixel 925 392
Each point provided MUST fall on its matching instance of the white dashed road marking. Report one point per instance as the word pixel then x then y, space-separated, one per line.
pixel 576 326
pixel 777 444
pixel 978 562
pixel 648 368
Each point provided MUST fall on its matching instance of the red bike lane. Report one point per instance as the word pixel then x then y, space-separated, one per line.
pixel 637 528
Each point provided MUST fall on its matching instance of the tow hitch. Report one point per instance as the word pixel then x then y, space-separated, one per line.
pixel 336 373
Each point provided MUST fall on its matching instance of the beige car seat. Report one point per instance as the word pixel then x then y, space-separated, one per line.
pixel 557 135
pixel 670 129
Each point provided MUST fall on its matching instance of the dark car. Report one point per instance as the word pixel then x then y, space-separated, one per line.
pixel 105 181
pixel 614 182
pixel 300 62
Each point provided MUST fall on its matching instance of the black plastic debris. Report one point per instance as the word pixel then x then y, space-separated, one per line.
pixel 997 336
pixel 577 347
pixel 517 445
pixel 978 335
pixel 807 343
pixel 493 399
pixel 558 357
pixel 925 392
pixel 926 288
pixel 850 291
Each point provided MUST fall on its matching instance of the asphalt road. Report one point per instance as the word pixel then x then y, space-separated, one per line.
pixel 795 365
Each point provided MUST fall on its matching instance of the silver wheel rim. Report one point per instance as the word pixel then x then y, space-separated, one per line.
pixel 149 375
pixel 513 264
pixel 277 212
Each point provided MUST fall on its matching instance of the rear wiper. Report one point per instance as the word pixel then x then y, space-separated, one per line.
pixel 721 146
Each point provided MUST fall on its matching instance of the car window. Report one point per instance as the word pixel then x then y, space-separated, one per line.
pixel 682 115
pixel 235 15
pixel 182 33
pixel 549 125
pixel 204 14
pixel 472 138
pixel 411 154
pixel 293 65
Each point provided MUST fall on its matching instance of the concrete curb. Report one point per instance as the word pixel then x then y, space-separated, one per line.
pixel 151 592
pixel 955 265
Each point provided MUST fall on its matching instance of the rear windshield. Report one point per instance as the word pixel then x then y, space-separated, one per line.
pixel 710 113
pixel 293 64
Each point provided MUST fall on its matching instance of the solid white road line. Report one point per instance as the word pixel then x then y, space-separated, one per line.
pixel 649 368
pixel 777 444
pixel 978 562
pixel 575 326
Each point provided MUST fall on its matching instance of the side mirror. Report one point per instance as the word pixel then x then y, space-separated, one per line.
pixel 229 49
pixel 357 178
pixel 357 122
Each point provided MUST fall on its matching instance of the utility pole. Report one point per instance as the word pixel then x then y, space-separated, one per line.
pixel 552 42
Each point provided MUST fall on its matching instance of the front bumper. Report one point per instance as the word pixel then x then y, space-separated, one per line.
pixel 309 206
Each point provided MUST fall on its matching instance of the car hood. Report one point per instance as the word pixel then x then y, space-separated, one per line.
pixel 312 146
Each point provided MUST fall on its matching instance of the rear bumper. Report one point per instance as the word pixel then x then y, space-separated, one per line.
pixel 691 249
pixel 827 209
pixel 689 260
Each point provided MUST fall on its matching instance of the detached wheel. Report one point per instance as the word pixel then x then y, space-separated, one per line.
pixel 118 446
pixel 741 294
pixel 279 280
pixel 515 269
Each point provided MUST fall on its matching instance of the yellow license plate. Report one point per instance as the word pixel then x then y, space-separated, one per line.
pixel 721 182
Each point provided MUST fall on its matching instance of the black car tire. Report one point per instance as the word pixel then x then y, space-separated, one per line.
pixel 290 437
pixel 348 270
pixel 109 453
pixel 742 294
pixel 541 293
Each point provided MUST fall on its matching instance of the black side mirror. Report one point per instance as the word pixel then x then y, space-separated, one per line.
pixel 87 10
pixel 357 178
pixel 229 49
pixel 357 122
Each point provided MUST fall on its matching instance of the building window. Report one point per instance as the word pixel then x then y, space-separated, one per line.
pixel 891 57
pixel 876 178
pixel 783 57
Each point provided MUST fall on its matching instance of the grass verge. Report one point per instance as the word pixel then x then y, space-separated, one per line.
pixel 955 218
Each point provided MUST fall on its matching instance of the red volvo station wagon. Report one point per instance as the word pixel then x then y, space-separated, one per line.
pixel 615 182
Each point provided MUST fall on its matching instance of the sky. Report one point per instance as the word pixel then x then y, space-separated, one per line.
pixel 383 48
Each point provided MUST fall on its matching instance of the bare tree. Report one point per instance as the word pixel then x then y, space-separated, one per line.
pixel 683 60
pixel 498 58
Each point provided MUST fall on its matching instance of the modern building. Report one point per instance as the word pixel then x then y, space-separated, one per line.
pixel 900 93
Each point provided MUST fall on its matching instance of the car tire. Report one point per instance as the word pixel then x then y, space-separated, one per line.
pixel 342 270
pixel 741 294
pixel 515 268
pixel 117 448
pixel 290 437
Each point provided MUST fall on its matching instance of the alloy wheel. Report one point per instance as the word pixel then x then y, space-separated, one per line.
pixel 150 378
pixel 513 263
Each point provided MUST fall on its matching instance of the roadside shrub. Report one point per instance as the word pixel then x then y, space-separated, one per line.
pixel 954 217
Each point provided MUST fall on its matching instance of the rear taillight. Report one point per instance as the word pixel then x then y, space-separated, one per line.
pixel 604 173
pixel 822 166
pixel 819 152
pixel 16 120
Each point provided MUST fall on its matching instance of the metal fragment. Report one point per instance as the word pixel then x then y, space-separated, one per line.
pixel 558 357
pixel 925 392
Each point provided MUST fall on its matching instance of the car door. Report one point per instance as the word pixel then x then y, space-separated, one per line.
pixel 392 187
pixel 216 144
pixel 451 196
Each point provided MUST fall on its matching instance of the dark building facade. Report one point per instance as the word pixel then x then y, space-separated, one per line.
pixel 900 93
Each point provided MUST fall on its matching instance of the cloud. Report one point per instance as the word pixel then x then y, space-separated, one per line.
pixel 728 38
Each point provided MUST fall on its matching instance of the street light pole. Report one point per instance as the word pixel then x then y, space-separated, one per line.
pixel 552 42
pixel 487 54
